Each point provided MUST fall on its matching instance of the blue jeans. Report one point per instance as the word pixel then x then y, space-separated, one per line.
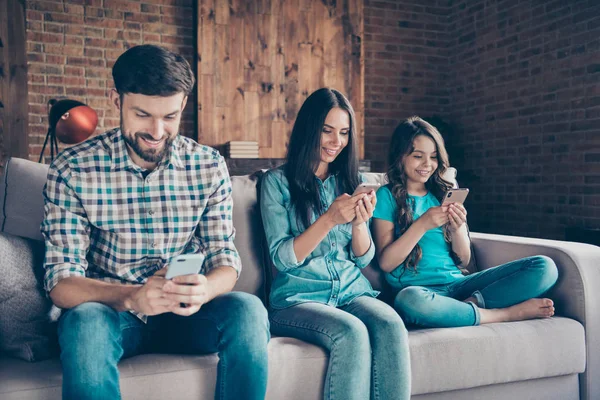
pixel 94 337
pixel 441 306
pixel 367 344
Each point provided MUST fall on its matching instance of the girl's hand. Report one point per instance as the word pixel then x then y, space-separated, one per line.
pixel 434 217
pixel 342 210
pixel 457 215
pixel 364 207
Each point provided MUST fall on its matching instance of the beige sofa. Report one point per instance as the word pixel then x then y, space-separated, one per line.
pixel 557 358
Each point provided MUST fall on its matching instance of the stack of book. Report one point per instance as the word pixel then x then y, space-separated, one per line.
pixel 241 149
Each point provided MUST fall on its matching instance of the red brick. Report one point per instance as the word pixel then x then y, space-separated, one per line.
pixel 73 41
pixel 53 59
pixel 122 5
pixel 45 37
pixel 104 22
pixel 63 18
pixel 39 5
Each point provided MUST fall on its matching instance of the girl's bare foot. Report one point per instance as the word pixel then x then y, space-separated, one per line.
pixel 532 308
pixel 529 309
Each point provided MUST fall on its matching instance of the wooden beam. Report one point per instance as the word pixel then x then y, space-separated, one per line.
pixel 14 141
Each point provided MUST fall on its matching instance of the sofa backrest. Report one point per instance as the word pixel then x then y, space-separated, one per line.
pixel 249 236
pixel 21 199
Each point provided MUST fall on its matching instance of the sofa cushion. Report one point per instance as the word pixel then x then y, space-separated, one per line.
pixel 294 367
pixel 21 198
pixel 25 331
pixel 458 358
pixel 442 359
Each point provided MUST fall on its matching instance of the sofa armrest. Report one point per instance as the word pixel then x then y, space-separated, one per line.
pixel 576 294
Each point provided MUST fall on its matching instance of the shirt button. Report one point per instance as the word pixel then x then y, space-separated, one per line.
pixel 333 244
pixel 151 212
pixel 153 245
pixel 334 296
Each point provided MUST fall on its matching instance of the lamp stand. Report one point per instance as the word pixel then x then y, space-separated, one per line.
pixel 53 145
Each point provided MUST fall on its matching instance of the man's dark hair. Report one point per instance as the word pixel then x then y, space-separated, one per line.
pixel 152 71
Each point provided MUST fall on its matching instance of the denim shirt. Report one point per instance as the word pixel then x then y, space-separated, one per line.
pixel 331 273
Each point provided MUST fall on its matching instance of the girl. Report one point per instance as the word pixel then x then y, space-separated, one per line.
pixel 319 240
pixel 421 245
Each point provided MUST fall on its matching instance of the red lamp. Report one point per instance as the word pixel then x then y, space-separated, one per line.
pixel 70 121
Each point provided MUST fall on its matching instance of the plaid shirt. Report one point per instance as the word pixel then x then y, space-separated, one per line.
pixel 105 220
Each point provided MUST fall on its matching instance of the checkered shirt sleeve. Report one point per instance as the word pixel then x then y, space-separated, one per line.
pixel 215 229
pixel 65 229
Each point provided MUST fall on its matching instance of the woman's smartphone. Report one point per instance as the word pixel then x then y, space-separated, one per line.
pixel 455 196
pixel 366 188
pixel 185 264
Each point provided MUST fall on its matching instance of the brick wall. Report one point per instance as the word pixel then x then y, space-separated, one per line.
pixel 526 108
pixel 518 83
pixel 407 67
pixel 73 44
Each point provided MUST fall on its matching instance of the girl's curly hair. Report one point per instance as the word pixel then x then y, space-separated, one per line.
pixel 401 146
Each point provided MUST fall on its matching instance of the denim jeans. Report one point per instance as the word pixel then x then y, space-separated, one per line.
pixel 367 344
pixel 441 306
pixel 94 337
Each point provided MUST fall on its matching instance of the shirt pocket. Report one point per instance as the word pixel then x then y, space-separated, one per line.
pixel 344 236
pixel 346 229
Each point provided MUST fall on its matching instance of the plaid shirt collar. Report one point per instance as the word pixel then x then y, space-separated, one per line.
pixel 120 159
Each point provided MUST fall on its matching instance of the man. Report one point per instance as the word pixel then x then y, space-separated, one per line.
pixel 118 208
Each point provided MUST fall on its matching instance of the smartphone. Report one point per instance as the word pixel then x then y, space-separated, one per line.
pixel 366 188
pixel 185 264
pixel 455 196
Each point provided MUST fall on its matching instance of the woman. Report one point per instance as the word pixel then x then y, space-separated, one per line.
pixel 319 239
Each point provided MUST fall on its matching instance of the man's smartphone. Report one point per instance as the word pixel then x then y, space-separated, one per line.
pixel 185 264
pixel 455 196
pixel 366 188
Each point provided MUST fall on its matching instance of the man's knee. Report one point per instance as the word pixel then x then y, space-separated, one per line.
pixel 88 325
pixel 89 314
pixel 245 313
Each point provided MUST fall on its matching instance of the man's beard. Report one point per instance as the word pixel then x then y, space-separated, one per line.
pixel 148 155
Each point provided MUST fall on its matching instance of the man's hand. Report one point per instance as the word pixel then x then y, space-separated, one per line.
pixel 149 298
pixel 187 292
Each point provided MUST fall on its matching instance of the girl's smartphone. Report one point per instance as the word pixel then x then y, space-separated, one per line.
pixel 366 188
pixel 185 264
pixel 455 196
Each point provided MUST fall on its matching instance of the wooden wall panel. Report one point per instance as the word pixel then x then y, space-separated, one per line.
pixel 259 60
pixel 13 81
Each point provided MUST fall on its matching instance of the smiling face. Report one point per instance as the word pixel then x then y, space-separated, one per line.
pixel 420 163
pixel 149 124
pixel 334 137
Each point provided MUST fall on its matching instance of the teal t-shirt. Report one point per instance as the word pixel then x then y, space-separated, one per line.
pixel 436 266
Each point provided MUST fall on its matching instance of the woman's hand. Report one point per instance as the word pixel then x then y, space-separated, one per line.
pixel 342 210
pixel 434 217
pixel 457 216
pixel 365 205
